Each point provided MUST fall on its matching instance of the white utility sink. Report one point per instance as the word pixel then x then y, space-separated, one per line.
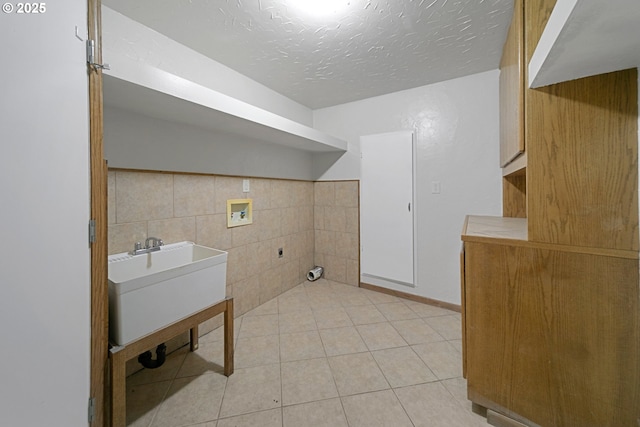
pixel 150 291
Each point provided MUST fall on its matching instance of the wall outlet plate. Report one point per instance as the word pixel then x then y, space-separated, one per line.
pixel 246 185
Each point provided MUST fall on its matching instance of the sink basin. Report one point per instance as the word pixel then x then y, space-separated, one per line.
pixel 150 291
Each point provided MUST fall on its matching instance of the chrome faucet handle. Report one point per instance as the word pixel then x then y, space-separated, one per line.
pixel 155 242
pixel 137 246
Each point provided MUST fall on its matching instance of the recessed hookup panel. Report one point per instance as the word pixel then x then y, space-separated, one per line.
pixel 239 212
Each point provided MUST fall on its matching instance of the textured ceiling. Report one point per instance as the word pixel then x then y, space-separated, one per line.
pixel 368 48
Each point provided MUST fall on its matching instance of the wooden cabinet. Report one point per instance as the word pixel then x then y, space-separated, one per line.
pixel 575 181
pixel 550 291
pixel 527 25
pixel 582 162
pixel 552 332
pixel 582 151
pixel 512 90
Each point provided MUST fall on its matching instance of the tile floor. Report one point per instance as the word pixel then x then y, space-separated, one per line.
pixel 321 354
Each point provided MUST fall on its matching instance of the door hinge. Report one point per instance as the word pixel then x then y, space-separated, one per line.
pixel 92 231
pixel 91 57
pixel 91 409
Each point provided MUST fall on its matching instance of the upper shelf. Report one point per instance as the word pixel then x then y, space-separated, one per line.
pixel 585 38
pixel 159 94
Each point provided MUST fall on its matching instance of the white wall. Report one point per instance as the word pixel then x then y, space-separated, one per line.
pixel 456 124
pixel 44 253
pixel 135 141
pixel 127 40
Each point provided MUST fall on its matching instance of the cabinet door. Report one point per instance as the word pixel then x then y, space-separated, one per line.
pixel 512 90
pixel 546 341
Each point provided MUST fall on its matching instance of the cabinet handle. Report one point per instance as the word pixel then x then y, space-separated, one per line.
pixel 409 206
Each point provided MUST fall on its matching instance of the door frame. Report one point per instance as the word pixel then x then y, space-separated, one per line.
pixel 98 178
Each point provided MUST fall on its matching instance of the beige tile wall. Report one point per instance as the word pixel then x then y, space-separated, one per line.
pixel 177 207
pixel 314 223
pixel 336 224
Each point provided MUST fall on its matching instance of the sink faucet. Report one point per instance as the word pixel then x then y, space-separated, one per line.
pixel 151 244
pixel 155 243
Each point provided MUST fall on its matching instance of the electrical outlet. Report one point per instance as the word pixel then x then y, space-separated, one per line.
pixel 435 187
pixel 280 252
pixel 245 185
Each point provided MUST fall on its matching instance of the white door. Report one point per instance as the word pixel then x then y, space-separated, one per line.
pixel 386 209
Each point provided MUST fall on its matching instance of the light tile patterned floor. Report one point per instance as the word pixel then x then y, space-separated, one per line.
pixel 322 354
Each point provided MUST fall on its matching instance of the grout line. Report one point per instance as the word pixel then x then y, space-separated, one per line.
pixel 159 405
pixel 402 406
pixel 277 303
